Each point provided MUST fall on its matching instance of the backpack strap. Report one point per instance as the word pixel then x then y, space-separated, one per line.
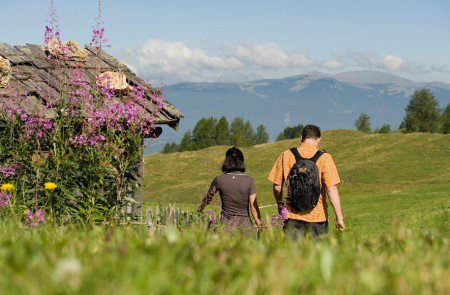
pixel 318 154
pixel 297 155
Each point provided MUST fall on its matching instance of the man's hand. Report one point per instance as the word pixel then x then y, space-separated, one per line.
pixel 336 203
pixel 340 225
pixel 278 194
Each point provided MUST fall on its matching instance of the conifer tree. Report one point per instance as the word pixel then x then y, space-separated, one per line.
pixel 363 123
pixel 204 134
pixel 186 143
pixel 237 132
pixel 445 128
pixel 249 134
pixel 422 112
pixel 223 132
pixel 170 148
pixel 261 135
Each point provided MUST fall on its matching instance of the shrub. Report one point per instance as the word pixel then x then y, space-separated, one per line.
pixel 291 132
pixel 385 128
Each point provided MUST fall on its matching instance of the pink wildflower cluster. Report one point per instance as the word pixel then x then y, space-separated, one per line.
pixel 158 100
pixel 280 218
pixel 98 38
pixel 36 126
pixel 86 140
pixel 212 219
pixel 52 38
pixel 5 198
pixel 34 219
pixel 17 111
pixel 32 126
pixel 49 35
pixel 98 32
pixel 8 171
pixel 104 112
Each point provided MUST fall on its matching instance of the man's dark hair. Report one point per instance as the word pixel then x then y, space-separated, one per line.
pixel 234 161
pixel 311 131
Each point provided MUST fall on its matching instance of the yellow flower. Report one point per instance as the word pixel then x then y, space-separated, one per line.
pixel 50 185
pixel 7 187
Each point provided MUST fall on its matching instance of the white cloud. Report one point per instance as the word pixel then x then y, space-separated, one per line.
pixel 389 62
pixel 158 59
pixel 393 63
pixel 333 65
pixel 174 61
pixel 269 55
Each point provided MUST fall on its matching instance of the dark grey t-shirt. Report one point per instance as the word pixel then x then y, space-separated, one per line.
pixel 235 189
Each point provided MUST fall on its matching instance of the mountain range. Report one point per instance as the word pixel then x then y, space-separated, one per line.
pixel 329 101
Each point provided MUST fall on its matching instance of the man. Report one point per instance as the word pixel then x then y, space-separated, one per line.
pixel 315 220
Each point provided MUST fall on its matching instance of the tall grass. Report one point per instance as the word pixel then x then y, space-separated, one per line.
pixel 66 260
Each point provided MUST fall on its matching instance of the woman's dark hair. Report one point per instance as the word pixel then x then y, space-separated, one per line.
pixel 234 161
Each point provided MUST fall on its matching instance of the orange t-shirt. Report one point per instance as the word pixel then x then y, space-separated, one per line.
pixel 328 176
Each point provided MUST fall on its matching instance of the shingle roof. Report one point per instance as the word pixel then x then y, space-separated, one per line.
pixel 31 70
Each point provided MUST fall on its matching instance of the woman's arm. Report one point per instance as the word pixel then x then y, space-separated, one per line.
pixel 255 210
pixel 207 198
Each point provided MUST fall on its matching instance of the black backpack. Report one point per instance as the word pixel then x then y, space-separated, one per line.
pixel 304 186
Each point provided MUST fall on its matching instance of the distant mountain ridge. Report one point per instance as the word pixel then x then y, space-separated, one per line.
pixel 330 101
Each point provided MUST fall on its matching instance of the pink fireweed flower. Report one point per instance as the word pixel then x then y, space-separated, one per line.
pixel 212 221
pixel 280 218
pixel 98 37
pixel 8 171
pixel 34 219
pixel 5 198
pixel 88 140
pixel 52 38
pixel 284 215
pixel 35 126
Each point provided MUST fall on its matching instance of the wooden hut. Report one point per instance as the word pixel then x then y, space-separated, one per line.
pixel 30 69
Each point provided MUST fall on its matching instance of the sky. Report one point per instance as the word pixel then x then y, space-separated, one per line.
pixel 231 41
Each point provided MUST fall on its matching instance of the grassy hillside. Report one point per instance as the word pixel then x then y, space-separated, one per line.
pixel 396 203
pixel 386 178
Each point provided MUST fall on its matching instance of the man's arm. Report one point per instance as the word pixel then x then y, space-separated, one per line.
pixel 336 203
pixel 278 194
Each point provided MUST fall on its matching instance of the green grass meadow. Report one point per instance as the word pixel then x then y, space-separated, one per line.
pixel 386 178
pixel 395 197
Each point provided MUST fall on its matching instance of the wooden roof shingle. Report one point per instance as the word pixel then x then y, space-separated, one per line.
pixel 31 70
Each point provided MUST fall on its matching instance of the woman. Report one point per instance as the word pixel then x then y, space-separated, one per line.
pixel 237 192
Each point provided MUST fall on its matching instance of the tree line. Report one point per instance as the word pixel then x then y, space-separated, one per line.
pixel 422 115
pixel 210 132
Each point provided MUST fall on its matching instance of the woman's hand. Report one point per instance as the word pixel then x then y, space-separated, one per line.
pixel 254 209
